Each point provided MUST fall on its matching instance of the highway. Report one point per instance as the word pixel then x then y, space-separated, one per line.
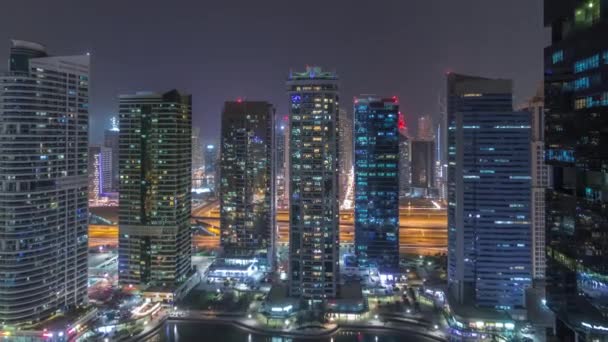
pixel 423 230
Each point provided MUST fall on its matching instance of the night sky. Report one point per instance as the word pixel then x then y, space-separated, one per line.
pixel 225 49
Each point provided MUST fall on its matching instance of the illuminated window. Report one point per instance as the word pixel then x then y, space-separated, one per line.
pixel 558 56
pixel 587 14
pixel 587 63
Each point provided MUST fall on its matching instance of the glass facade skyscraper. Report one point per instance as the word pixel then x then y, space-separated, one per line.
pixel 377 185
pixel 576 152
pixel 100 171
pixel 44 120
pixel 155 182
pixel 110 140
pixel 489 190
pixel 247 185
pixel 422 166
pixel 313 175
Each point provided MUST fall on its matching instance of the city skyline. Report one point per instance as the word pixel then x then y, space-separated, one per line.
pixel 219 62
pixel 439 189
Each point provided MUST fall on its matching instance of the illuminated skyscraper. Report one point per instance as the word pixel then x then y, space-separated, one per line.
pixel 405 171
pixel 155 182
pixel 247 193
pixel 489 191
pixel 345 158
pixel 576 142
pixel 422 166
pixel 197 159
pixel 313 213
pixel 535 107
pixel 281 158
pixel 111 141
pixel 197 149
pixel 100 171
pixel 425 128
pixel 377 184
pixel 211 172
pixel 404 157
pixel 44 121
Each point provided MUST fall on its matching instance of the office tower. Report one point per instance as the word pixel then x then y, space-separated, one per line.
pixel 100 171
pixel 422 166
pixel 345 157
pixel 281 130
pixel 155 182
pixel 535 106
pixel 211 159
pixel 197 149
pixel 404 166
pixel 576 142
pixel 377 185
pixel 110 138
pixel 425 128
pixel 404 157
pixel 489 252
pixel 43 183
pixel 313 211
pixel 247 194
pixel 197 159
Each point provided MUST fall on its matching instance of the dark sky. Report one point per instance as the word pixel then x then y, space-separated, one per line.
pixel 224 49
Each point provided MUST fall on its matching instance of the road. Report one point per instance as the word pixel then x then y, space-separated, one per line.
pixel 423 229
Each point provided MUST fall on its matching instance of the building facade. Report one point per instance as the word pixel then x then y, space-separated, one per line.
pixel 422 154
pixel 110 140
pixel 313 209
pixel 489 191
pixel 345 158
pixel 377 185
pixel 281 158
pixel 211 169
pixel 44 121
pixel 100 171
pixel 247 186
pixel 425 128
pixel 155 198
pixel 535 106
pixel 576 150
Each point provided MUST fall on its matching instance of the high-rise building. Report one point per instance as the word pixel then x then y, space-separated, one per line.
pixel 576 142
pixel 247 193
pixel 100 171
pixel 535 106
pixel 197 149
pixel 404 166
pixel 425 128
pixel 422 154
pixel 489 242
pixel 155 182
pixel 377 185
pixel 197 159
pixel 211 171
pixel 313 211
pixel 43 183
pixel 281 147
pixel 111 141
pixel 404 157
pixel 345 156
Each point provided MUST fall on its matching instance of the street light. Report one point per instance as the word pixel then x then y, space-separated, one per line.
pixel 375 316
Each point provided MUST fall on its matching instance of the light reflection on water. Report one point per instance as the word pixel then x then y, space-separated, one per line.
pixel 190 331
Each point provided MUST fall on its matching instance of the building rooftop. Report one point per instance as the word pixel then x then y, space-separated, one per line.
pixel 313 72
